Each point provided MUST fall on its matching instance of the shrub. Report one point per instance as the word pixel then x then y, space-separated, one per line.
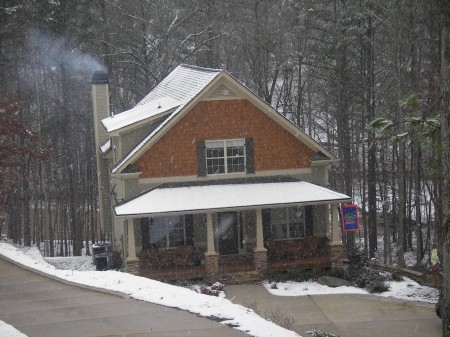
pixel 213 290
pixel 377 287
pixel 362 274
pixel 117 260
pixel 301 275
pixel 320 333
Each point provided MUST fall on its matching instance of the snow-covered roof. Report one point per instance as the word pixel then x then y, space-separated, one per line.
pixel 182 84
pixel 161 201
pixel 106 147
pixel 139 113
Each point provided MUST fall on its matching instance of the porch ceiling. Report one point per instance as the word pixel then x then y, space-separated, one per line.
pixel 222 197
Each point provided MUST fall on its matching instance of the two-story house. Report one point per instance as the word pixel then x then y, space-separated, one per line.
pixel 204 178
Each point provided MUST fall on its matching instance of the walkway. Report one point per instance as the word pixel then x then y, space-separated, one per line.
pixel 344 315
pixel 39 306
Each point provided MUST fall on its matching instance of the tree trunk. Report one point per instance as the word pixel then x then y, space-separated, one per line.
pixel 417 195
pixel 445 145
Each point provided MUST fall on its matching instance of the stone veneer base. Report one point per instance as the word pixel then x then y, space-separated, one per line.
pixel 132 267
pixel 337 253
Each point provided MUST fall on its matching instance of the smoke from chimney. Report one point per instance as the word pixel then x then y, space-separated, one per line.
pixel 54 51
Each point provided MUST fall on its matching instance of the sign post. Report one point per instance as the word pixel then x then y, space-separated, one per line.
pixel 350 219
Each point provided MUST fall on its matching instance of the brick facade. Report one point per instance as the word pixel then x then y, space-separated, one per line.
pixel 175 153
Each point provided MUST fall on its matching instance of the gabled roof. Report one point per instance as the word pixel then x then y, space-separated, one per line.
pixel 182 84
pixel 187 84
pixel 157 107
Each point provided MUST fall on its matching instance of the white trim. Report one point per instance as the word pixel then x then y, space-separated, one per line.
pixel 121 176
pixel 160 180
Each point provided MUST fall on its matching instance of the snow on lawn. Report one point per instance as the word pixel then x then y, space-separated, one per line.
pixel 7 330
pixel 406 290
pixel 145 289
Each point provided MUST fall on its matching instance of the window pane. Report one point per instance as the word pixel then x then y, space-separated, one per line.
pixel 215 144
pixel 214 153
pixel 235 164
pixel 175 229
pixel 279 230
pixel 215 166
pixel 295 213
pixel 158 232
pixel 278 214
pixel 296 230
pixel 235 142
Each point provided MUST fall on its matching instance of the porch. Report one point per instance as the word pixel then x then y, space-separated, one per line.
pixel 188 262
pixel 184 235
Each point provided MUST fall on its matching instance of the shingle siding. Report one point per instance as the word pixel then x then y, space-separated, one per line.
pixel 175 154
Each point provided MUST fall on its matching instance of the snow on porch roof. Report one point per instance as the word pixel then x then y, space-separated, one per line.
pixel 160 201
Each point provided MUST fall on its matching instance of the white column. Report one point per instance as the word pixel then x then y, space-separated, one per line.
pixel 131 244
pixel 210 235
pixel 259 232
pixel 335 236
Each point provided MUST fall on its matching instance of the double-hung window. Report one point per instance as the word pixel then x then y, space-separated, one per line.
pixel 167 232
pixel 287 223
pixel 225 156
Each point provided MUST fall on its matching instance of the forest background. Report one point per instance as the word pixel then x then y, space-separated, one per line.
pixel 367 78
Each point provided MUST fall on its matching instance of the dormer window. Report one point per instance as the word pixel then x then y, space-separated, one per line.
pixel 225 156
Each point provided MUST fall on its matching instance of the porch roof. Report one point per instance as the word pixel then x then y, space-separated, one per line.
pixel 164 200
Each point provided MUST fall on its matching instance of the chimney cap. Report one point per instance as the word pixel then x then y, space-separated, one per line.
pixel 100 77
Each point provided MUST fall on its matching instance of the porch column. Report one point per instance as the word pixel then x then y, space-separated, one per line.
pixel 131 244
pixel 131 261
pixel 259 232
pixel 335 235
pixel 210 235
pixel 211 257
pixel 260 253
pixel 337 251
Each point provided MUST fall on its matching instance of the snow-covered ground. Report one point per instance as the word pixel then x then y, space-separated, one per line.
pixel 81 270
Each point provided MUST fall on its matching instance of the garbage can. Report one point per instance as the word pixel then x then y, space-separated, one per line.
pixel 102 255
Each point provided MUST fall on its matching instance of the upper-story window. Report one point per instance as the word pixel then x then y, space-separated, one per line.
pixel 225 156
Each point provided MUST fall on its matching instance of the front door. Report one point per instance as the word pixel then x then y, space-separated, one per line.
pixel 228 233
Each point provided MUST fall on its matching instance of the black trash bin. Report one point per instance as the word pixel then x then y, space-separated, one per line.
pixel 102 255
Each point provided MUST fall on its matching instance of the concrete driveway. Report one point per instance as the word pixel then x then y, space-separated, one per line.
pixel 344 315
pixel 42 307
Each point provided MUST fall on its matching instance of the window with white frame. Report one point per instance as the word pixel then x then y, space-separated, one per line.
pixel 167 232
pixel 225 156
pixel 287 223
